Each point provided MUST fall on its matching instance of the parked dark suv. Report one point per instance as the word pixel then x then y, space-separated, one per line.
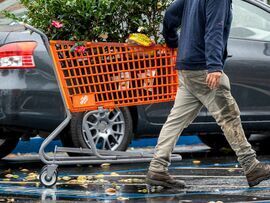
pixel 30 102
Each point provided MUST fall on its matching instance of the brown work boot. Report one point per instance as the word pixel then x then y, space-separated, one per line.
pixel 260 173
pixel 163 179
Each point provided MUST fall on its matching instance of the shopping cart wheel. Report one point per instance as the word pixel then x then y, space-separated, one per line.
pixel 45 179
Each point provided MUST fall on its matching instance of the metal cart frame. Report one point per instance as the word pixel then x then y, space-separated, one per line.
pixel 48 175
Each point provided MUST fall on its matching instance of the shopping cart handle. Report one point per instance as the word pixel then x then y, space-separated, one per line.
pixel 42 35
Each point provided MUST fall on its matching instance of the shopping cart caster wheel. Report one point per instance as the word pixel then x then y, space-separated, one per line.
pixel 45 180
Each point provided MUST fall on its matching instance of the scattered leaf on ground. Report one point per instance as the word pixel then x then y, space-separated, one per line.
pixel 66 178
pixel 10 200
pixel 9 176
pixel 105 165
pixel 114 174
pixel 82 179
pixel 6 179
pixel 122 198
pixel 31 176
pixel 16 176
pixel 90 177
pixel 24 170
pixel 196 162
pixel 101 181
pixel 110 191
pixel 143 190
pixel 72 182
pixel 99 176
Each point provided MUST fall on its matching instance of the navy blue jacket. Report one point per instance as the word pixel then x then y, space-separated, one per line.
pixel 205 27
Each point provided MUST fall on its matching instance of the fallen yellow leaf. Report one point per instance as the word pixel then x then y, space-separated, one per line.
pixel 110 191
pixel 114 174
pixel 11 200
pixel 6 179
pixel 122 198
pixel 9 176
pixel 66 178
pixel 99 176
pixel 196 162
pixel 105 165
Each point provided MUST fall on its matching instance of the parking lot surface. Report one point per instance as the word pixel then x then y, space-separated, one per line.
pixel 210 176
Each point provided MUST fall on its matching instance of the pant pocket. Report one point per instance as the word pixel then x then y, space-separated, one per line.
pixel 224 82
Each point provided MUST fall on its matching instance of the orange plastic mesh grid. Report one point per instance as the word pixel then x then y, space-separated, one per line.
pixel 114 75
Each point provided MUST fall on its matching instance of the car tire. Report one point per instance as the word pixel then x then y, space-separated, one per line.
pixel 66 140
pixel 8 142
pixel 121 129
pixel 216 141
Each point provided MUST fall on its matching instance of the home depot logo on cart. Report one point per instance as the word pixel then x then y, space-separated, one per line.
pixel 84 100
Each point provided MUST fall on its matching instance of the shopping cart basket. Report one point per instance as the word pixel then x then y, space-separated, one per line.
pixel 104 77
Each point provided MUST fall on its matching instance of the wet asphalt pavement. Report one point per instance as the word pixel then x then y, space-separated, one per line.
pixel 210 176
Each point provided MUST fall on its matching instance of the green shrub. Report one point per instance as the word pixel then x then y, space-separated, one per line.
pixel 95 20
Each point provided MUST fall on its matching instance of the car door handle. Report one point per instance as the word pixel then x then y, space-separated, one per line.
pixel 229 56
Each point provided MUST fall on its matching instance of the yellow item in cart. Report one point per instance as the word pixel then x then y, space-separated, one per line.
pixel 140 39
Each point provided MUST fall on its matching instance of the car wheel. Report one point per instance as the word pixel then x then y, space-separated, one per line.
pixel 216 141
pixel 110 130
pixel 8 142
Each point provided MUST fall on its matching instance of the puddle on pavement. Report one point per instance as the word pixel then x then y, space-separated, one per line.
pixel 207 182
pixel 101 190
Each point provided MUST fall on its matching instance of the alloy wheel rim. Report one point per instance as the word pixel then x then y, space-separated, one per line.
pixel 107 129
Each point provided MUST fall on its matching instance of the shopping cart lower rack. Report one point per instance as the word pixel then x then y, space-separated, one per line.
pixel 104 77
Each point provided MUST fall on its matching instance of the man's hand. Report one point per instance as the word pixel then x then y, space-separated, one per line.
pixel 213 79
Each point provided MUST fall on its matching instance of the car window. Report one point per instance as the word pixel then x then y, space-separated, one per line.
pixel 250 22
pixel 13 6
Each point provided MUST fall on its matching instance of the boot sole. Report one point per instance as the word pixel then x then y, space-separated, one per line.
pixel 160 183
pixel 258 181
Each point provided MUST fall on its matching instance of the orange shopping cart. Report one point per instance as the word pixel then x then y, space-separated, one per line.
pixel 104 77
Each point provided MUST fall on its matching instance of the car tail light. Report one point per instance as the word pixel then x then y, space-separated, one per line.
pixel 17 55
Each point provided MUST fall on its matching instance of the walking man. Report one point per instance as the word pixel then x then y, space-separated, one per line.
pixel 202 50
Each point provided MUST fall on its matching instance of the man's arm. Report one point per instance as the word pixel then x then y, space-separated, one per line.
pixel 216 15
pixel 172 22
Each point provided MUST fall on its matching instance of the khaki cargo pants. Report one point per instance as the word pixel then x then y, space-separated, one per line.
pixel 193 93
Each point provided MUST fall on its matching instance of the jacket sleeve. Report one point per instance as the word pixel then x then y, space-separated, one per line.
pixel 216 15
pixel 172 22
